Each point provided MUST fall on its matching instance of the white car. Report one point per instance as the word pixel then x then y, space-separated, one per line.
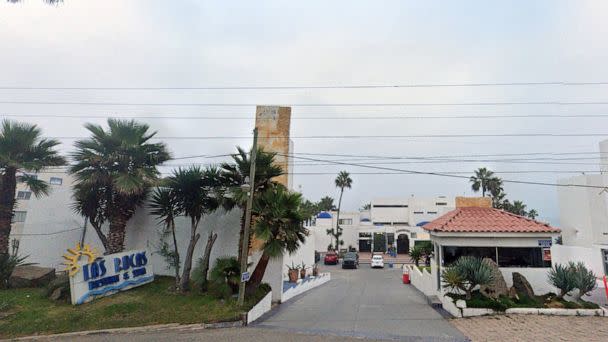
pixel 377 261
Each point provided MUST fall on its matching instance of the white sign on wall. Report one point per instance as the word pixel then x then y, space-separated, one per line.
pixel 109 274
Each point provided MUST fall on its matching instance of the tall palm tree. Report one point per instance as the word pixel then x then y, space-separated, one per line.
pixel 483 179
pixel 197 192
pixel 122 163
pixel 342 181
pixel 235 173
pixel 166 207
pixel 326 204
pixel 279 225
pixel 22 150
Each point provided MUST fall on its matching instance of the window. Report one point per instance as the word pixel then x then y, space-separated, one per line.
pixel 346 221
pixel 389 205
pixel 19 216
pixel 390 239
pixel 521 257
pixel 452 253
pixel 401 223
pixel 418 212
pixel 365 235
pixel 431 212
pixel 382 223
pixel 441 203
pixel 56 181
pixel 24 195
pixel 414 235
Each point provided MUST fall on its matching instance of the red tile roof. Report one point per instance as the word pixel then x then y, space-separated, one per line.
pixel 486 220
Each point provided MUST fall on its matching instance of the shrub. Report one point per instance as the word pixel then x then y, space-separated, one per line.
pixel 561 277
pixel 220 290
pixel 227 270
pixel 416 254
pixel 466 273
pixel 582 278
pixel 8 262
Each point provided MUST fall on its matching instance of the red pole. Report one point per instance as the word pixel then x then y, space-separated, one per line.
pixel 606 286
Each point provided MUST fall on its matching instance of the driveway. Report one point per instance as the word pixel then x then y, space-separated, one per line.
pixel 368 303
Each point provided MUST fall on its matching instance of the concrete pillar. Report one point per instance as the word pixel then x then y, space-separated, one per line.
pixel 273 124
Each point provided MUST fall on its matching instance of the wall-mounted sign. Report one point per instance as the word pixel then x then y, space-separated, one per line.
pixel 546 254
pixel 544 243
pixel 104 276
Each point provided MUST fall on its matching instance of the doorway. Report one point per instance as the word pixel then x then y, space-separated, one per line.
pixel 403 244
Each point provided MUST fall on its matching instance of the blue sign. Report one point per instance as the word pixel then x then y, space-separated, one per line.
pixel 544 243
pixel 244 277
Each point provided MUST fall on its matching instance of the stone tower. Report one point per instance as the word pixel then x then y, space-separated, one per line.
pixel 273 124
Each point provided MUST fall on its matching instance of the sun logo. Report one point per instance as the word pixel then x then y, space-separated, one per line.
pixel 74 255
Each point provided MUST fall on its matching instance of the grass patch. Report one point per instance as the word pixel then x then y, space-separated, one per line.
pixel 33 313
pixel 425 268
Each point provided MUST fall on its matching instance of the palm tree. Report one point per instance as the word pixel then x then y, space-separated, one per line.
pixel 22 150
pixel 278 225
pixel 483 179
pixel 166 207
pixel 326 204
pixel 197 192
pixel 234 175
pixel 120 163
pixel 342 181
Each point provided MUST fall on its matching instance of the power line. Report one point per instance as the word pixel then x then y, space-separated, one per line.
pixel 530 103
pixel 546 135
pixel 367 117
pixel 47 234
pixel 348 86
pixel 439 174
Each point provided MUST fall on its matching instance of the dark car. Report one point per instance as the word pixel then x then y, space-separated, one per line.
pixel 351 260
pixel 331 258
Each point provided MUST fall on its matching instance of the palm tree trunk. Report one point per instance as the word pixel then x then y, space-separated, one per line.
pixel 194 236
pixel 206 258
pixel 176 255
pixel 258 273
pixel 116 235
pixel 8 185
pixel 102 237
pixel 338 220
pixel 241 235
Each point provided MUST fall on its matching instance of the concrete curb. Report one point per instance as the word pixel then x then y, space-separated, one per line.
pixel 146 329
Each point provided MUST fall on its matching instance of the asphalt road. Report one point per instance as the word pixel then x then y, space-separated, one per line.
pixel 363 303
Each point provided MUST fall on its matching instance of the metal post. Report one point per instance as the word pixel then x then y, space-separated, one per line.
pixel 245 247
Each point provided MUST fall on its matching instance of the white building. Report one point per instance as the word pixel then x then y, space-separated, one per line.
pixel 583 214
pixel 390 222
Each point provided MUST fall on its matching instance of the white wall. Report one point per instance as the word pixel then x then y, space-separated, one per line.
pixel 591 256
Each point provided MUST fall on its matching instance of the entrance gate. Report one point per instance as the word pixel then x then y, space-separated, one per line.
pixel 403 244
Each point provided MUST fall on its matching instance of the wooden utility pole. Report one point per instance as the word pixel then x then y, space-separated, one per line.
pixel 245 246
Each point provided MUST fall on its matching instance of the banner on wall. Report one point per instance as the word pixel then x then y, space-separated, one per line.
pixel 93 277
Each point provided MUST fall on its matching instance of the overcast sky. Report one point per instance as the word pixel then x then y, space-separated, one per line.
pixel 269 43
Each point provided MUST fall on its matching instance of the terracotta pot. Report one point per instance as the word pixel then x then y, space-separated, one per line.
pixel 293 276
pixel 303 273
pixel 315 272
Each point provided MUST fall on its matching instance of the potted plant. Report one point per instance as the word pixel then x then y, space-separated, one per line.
pixel 315 270
pixel 303 270
pixel 292 273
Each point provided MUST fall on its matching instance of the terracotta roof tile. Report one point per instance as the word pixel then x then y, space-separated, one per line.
pixel 486 220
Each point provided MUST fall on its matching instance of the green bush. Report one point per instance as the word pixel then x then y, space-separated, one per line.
pixel 466 273
pixel 583 279
pixel 560 276
pixel 416 255
pixel 220 290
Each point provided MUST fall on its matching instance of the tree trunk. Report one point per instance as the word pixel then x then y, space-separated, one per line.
pixel 258 274
pixel 8 185
pixel 102 237
pixel 338 221
pixel 194 236
pixel 176 256
pixel 116 235
pixel 241 235
pixel 206 257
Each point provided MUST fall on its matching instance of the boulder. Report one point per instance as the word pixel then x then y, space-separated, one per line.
pixel 57 294
pixel 31 276
pixel 498 286
pixel 513 293
pixel 521 285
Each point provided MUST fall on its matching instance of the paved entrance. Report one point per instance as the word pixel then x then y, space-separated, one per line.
pixel 370 303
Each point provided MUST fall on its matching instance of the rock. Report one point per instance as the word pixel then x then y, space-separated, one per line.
pixel 31 276
pixel 513 293
pixel 57 294
pixel 498 286
pixel 521 285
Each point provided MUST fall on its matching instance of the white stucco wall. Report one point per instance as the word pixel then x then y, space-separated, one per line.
pixel 591 256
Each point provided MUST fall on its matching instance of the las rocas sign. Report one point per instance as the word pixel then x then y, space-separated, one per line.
pixel 92 277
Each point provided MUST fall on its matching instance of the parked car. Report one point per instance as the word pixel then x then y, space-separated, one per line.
pixel 351 260
pixel 377 261
pixel 331 258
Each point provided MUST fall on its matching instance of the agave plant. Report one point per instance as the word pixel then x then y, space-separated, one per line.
pixel 8 262
pixel 560 276
pixel 582 278
pixel 471 271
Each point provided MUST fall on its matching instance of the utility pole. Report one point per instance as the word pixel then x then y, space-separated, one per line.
pixel 245 246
